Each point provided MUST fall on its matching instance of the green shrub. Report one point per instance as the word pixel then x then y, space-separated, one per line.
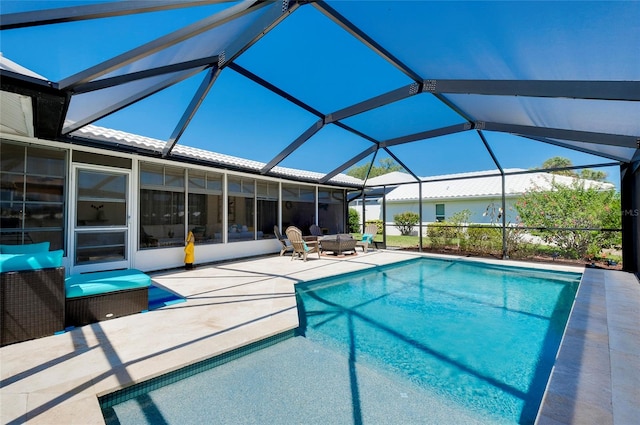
pixel 441 230
pixel 484 239
pixel 442 234
pixel 460 220
pixel 406 221
pixel 354 221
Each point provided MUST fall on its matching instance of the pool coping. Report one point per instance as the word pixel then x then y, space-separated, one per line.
pixel 58 379
pixel 596 375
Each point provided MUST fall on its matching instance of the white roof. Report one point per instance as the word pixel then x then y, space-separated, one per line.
pixel 483 185
pixel 117 137
pixel 391 178
pixel 10 65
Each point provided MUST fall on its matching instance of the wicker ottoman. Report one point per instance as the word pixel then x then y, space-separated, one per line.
pixel 106 295
pixel 338 244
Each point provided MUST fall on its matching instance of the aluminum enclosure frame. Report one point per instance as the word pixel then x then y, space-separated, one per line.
pixel 52 102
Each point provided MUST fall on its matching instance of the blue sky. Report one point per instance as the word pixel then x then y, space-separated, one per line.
pixel 316 61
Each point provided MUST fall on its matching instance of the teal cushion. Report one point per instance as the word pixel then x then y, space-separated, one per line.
pixel 37 261
pixel 102 282
pixel 30 248
pixel 304 244
pixel 367 238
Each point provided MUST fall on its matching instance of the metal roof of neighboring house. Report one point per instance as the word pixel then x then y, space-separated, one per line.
pixel 394 177
pixel 484 184
pixel 117 137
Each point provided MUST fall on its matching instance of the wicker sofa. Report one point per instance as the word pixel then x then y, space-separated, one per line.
pixel 32 293
pixel 338 244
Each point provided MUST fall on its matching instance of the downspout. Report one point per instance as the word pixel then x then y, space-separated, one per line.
pixel 384 217
pixel 364 209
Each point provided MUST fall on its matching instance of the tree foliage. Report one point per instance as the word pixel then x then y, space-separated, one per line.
pixel 561 162
pixel 386 165
pixel 406 221
pixel 558 162
pixel 589 174
pixel 574 206
pixel 460 219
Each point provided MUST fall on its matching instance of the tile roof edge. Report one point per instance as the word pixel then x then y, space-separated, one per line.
pixel 108 135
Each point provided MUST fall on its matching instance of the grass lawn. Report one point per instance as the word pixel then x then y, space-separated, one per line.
pixel 396 240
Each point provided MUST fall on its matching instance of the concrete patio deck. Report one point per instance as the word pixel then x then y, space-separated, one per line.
pixel 57 379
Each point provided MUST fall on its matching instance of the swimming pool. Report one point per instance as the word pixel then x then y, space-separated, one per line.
pixel 425 341
pixel 482 337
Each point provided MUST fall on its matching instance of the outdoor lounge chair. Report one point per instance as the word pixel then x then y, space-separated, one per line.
pixel 370 231
pixel 301 247
pixel 286 244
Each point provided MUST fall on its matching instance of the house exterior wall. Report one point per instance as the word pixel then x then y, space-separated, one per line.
pixel 477 206
pixel 168 251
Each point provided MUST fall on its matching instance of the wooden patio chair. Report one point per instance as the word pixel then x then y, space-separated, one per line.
pixel 286 244
pixel 301 248
pixel 370 231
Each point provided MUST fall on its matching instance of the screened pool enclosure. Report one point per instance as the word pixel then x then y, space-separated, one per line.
pixel 437 88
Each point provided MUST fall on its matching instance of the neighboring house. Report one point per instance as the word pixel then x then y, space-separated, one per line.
pixel 446 195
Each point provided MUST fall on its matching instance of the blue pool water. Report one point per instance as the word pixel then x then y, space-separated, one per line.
pixel 482 337
pixel 420 342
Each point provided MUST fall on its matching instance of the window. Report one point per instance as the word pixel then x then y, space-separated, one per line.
pixel 33 181
pixel 299 207
pixel 331 212
pixel 267 208
pixel 241 209
pixel 205 206
pixel 162 206
pixel 101 199
pixel 439 212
